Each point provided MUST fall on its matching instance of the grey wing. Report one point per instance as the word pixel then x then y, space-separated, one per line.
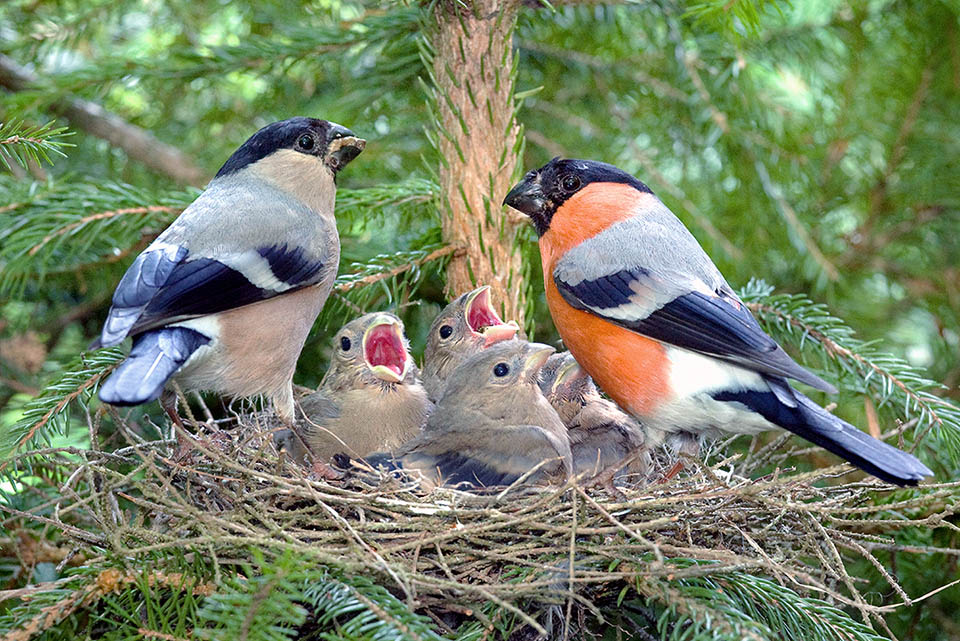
pixel 203 263
pixel 668 289
pixel 320 408
pixel 487 457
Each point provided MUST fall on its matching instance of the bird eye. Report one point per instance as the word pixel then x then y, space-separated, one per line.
pixel 305 142
pixel 570 182
pixel 501 369
pixel 446 331
pixel 345 343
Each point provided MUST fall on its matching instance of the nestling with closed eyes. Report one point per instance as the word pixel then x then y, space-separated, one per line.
pixel 605 441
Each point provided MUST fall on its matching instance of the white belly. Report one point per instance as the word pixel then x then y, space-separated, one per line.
pixel 693 377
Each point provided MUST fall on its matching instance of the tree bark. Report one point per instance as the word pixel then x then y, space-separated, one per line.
pixel 88 116
pixel 478 141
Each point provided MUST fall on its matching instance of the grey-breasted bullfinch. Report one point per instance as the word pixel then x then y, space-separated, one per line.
pixel 466 326
pixel 647 314
pixel 224 298
pixel 605 441
pixel 370 399
pixel 491 426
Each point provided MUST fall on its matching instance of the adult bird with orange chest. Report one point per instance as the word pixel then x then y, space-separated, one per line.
pixel 647 314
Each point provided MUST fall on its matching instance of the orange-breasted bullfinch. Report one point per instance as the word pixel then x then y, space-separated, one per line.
pixel 224 298
pixel 605 441
pixel 647 314
pixel 370 399
pixel 492 425
pixel 464 327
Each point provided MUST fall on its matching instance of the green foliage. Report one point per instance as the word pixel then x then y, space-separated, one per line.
pixel 356 608
pixel 49 412
pixel 739 606
pixel 21 143
pixel 262 605
pixel 811 143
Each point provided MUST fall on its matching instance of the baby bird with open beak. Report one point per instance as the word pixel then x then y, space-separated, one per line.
pixel 605 441
pixel 492 425
pixel 466 326
pixel 370 399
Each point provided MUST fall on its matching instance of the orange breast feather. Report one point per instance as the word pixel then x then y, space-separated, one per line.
pixel 632 369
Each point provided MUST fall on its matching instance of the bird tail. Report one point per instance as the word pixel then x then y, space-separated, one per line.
pixel 155 356
pixel 851 444
pixel 791 410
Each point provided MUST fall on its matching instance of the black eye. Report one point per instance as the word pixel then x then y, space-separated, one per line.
pixel 501 369
pixel 570 182
pixel 305 142
pixel 345 343
pixel 445 331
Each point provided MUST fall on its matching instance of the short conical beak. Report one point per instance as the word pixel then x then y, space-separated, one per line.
pixel 384 351
pixel 568 372
pixel 537 355
pixel 342 147
pixel 527 196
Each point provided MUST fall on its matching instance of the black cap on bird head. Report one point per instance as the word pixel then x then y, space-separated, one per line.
pixel 542 191
pixel 330 143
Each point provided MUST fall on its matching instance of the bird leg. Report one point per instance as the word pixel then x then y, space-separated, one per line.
pixel 324 471
pixel 168 401
pixel 605 480
pixel 689 447
pixel 673 471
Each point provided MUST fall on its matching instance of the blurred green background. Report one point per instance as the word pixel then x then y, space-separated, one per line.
pixel 813 144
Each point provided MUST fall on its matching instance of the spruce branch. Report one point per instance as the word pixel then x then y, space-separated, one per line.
pixel 277 51
pixel 48 413
pixel 737 605
pixel 410 200
pixel 22 143
pixel 65 226
pixel 357 607
pixel 95 120
pixel 387 266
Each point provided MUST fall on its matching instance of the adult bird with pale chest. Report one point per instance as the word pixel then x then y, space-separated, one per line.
pixel 224 298
pixel 647 314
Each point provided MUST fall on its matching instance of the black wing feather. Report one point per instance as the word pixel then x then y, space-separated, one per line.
pixel 718 325
pixel 160 287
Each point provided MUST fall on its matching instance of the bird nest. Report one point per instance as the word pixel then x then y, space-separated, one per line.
pixel 531 551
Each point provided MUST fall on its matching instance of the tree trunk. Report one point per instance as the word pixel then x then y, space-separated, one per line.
pixel 478 141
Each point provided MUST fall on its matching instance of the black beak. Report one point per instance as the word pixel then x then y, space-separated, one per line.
pixel 342 146
pixel 527 197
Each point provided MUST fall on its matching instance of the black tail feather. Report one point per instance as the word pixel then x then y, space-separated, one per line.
pixel 155 357
pixel 812 422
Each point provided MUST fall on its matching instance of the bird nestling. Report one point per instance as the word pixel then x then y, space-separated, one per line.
pixel 491 427
pixel 370 399
pixel 647 314
pixel 224 298
pixel 466 326
pixel 606 443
